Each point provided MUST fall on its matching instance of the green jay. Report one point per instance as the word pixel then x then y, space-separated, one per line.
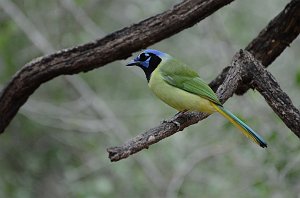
pixel 181 88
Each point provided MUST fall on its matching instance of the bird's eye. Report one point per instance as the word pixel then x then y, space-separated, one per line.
pixel 143 56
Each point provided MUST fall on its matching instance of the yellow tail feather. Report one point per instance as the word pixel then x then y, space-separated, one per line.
pixel 246 130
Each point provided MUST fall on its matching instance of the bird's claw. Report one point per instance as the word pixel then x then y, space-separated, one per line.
pixel 164 121
pixel 171 121
pixel 176 123
pixel 180 112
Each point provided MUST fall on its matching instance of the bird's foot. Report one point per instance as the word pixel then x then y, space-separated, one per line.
pixel 172 121
pixel 176 123
pixel 180 112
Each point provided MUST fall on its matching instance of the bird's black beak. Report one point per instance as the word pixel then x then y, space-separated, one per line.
pixel 132 63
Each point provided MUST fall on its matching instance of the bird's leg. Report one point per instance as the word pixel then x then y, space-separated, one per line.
pixel 174 121
pixel 180 112
pixel 177 115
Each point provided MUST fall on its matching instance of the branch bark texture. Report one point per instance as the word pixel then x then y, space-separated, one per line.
pixel 277 35
pixel 270 42
pixel 274 38
pixel 264 82
pixel 116 46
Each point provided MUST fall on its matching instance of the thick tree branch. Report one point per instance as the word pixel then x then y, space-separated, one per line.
pixel 271 41
pixel 278 34
pixel 116 46
pixel 264 82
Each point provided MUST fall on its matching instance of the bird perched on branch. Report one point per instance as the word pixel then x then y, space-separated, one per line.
pixel 180 87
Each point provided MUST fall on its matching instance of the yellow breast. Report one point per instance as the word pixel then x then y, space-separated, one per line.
pixel 178 98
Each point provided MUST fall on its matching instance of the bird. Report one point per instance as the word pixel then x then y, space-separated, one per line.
pixel 181 87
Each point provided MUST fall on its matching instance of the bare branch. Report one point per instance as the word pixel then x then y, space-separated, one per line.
pixel 278 34
pixel 265 83
pixel 275 38
pixel 271 41
pixel 116 46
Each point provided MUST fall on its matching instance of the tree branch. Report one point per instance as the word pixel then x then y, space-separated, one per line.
pixel 271 41
pixel 116 46
pixel 264 82
pixel 279 33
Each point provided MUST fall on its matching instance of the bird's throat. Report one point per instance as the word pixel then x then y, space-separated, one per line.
pixel 148 73
pixel 153 64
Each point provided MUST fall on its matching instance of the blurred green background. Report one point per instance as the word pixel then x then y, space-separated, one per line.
pixel 56 145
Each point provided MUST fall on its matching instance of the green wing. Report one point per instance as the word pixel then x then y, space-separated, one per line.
pixel 179 75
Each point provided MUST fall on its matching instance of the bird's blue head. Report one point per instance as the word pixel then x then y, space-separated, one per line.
pixel 148 60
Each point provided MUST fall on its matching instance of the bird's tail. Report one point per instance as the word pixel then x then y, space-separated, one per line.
pixel 247 131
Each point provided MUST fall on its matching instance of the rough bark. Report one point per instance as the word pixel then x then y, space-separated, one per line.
pixel 271 41
pixel 278 34
pixel 264 82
